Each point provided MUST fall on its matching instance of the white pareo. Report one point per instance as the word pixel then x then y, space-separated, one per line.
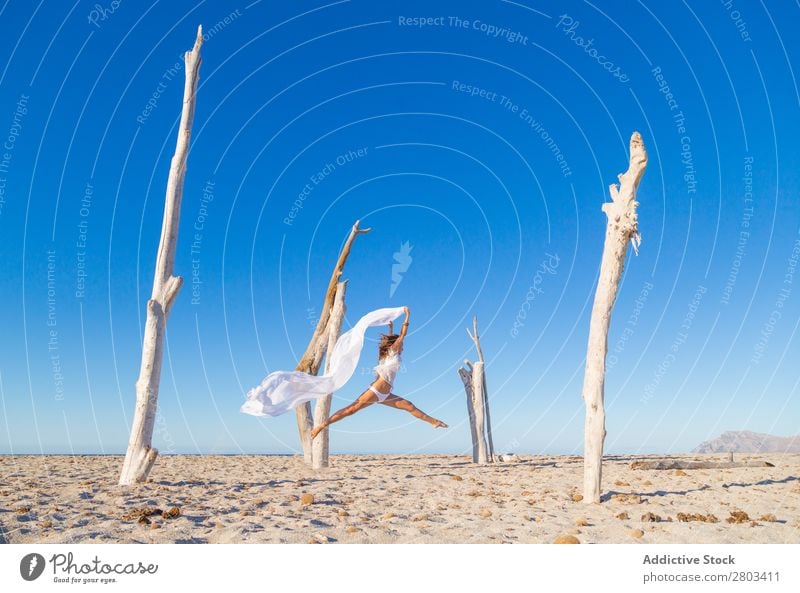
pixel 387 370
pixel 282 391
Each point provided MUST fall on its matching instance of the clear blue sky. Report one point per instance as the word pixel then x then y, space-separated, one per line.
pixel 486 141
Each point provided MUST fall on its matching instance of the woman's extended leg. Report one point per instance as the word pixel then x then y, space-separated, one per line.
pixel 364 400
pixel 395 401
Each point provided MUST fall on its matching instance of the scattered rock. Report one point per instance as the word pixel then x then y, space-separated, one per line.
pixel 456 477
pixel 307 499
pixel 320 538
pixel 137 513
pixel 651 518
pixel 582 522
pixel 688 517
pixel 485 513
pixel 155 526
pixel 621 483
pixel 22 510
pixel 647 483
pixel 637 533
pixel 769 518
pixel 577 497
pixel 566 539
pixel 143 520
pixel 473 493
pixel 422 517
pixel 680 472
pixel 388 516
pixel 46 524
pixel 171 513
pixel 738 517
pixel 352 529
pixel 623 516
pixel 343 513
pixel 508 458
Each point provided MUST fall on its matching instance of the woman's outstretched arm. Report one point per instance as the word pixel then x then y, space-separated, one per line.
pixel 403 330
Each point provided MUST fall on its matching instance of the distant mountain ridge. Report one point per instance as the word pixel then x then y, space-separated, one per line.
pixel 744 441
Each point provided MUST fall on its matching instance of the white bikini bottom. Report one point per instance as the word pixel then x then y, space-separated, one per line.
pixel 381 396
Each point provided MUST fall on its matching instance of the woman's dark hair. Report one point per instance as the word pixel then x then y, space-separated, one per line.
pixel 386 342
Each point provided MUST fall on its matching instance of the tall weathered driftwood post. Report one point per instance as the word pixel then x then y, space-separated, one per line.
pixel 320 446
pixel 141 456
pixel 312 358
pixel 622 228
pixel 474 378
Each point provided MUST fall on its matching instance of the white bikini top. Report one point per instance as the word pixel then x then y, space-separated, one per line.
pixel 388 367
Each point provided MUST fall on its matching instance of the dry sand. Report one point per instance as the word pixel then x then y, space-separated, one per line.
pixel 388 499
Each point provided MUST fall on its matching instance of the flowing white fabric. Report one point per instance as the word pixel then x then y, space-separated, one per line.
pixel 282 391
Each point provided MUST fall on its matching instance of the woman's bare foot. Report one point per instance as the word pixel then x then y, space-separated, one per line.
pixel 439 424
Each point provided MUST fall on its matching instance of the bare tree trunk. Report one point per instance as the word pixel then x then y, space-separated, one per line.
pixel 477 400
pixel 488 417
pixel 621 229
pixel 320 446
pixel 312 358
pixel 466 377
pixel 141 456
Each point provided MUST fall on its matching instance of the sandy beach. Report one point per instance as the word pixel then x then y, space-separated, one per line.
pixel 394 499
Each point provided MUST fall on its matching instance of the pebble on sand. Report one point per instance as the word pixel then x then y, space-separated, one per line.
pixel 637 533
pixel 307 499
pixel 566 539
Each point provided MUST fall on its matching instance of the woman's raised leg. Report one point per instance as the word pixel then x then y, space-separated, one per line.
pixel 395 401
pixel 366 399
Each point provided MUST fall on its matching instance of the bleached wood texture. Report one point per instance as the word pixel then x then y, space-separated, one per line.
pixel 484 390
pixel 466 377
pixel 141 455
pixel 622 228
pixel 312 358
pixel 322 410
pixel 474 378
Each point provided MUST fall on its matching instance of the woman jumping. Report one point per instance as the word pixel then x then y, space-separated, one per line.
pixel 389 349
